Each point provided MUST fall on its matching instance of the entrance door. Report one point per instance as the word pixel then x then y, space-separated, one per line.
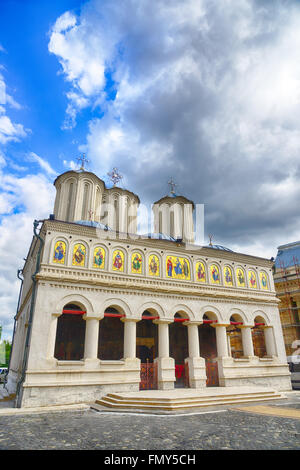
pixel 146 351
pixel 208 350
pixel 179 351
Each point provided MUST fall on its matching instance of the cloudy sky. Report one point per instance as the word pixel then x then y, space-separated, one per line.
pixel 205 91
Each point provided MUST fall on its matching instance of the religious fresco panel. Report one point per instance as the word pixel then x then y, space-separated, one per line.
pixel 153 265
pixel 177 268
pixel 118 261
pixel 264 280
pixel 136 263
pixel 59 255
pixel 215 274
pixel 200 272
pixel 79 253
pixel 99 258
pixel 228 278
pixel 240 278
pixel 252 279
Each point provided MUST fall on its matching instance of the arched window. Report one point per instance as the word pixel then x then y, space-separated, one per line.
pixel 258 337
pixel 70 334
pixel 111 336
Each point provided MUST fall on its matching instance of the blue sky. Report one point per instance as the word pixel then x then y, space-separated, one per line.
pixel 204 91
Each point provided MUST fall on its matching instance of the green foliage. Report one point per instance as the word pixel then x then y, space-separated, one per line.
pixel 6 345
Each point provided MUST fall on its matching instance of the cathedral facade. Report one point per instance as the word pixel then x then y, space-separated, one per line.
pixel 104 309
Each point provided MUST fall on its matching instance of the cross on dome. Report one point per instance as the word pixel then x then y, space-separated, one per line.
pixel 115 176
pixel 83 160
pixel 172 185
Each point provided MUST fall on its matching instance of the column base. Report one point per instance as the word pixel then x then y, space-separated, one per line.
pixel 197 372
pixel 92 363
pixel 165 373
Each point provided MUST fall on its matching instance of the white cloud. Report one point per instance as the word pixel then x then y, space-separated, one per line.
pixel 42 162
pixel 207 91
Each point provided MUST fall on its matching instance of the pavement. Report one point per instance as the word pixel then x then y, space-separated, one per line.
pixel 262 426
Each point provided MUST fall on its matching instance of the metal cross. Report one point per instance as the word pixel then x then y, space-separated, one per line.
pixel 172 185
pixel 210 239
pixel 115 176
pixel 83 160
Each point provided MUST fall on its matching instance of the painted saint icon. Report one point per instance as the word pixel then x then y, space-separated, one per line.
pixel 177 268
pixel 118 260
pixel 264 281
pixel 252 279
pixel 153 265
pixel 59 252
pixel 170 267
pixel 240 277
pixel 99 258
pixel 215 274
pixel 228 276
pixel 78 255
pixel 200 272
pixel 136 263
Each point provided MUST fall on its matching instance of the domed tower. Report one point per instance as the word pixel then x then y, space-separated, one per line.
pixel 173 216
pixel 83 197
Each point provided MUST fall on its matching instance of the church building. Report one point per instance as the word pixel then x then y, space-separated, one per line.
pixel 104 309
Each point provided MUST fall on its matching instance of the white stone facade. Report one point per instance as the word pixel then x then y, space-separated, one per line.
pixel 48 380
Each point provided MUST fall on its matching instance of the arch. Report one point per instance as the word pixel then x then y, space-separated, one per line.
pixel 238 315
pixel 259 316
pixel 70 333
pixel 119 304
pixel 77 299
pixel 258 334
pixel 211 312
pixel 152 307
pixel 184 311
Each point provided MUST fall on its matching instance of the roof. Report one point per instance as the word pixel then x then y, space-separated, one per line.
pixel 92 223
pixel 288 255
pixel 218 247
pixel 160 236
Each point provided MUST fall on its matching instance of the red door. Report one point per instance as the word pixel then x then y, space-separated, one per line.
pixel 212 376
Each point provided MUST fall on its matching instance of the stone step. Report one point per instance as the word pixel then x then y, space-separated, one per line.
pixel 124 403
pixel 191 399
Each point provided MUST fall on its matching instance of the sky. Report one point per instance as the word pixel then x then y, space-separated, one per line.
pixel 204 91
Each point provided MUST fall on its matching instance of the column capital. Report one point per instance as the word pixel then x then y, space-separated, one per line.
pixel 191 323
pixel 245 326
pixel 129 319
pixel 162 321
pixel 215 325
pixel 91 317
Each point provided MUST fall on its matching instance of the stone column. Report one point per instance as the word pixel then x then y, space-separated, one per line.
pixel 91 339
pixel 52 336
pixel 248 349
pixel 165 364
pixel 129 338
pixel 270 341
pixel 194 364
pixel 221 336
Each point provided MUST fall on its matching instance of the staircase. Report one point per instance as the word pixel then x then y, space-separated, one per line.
pixel 183 399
